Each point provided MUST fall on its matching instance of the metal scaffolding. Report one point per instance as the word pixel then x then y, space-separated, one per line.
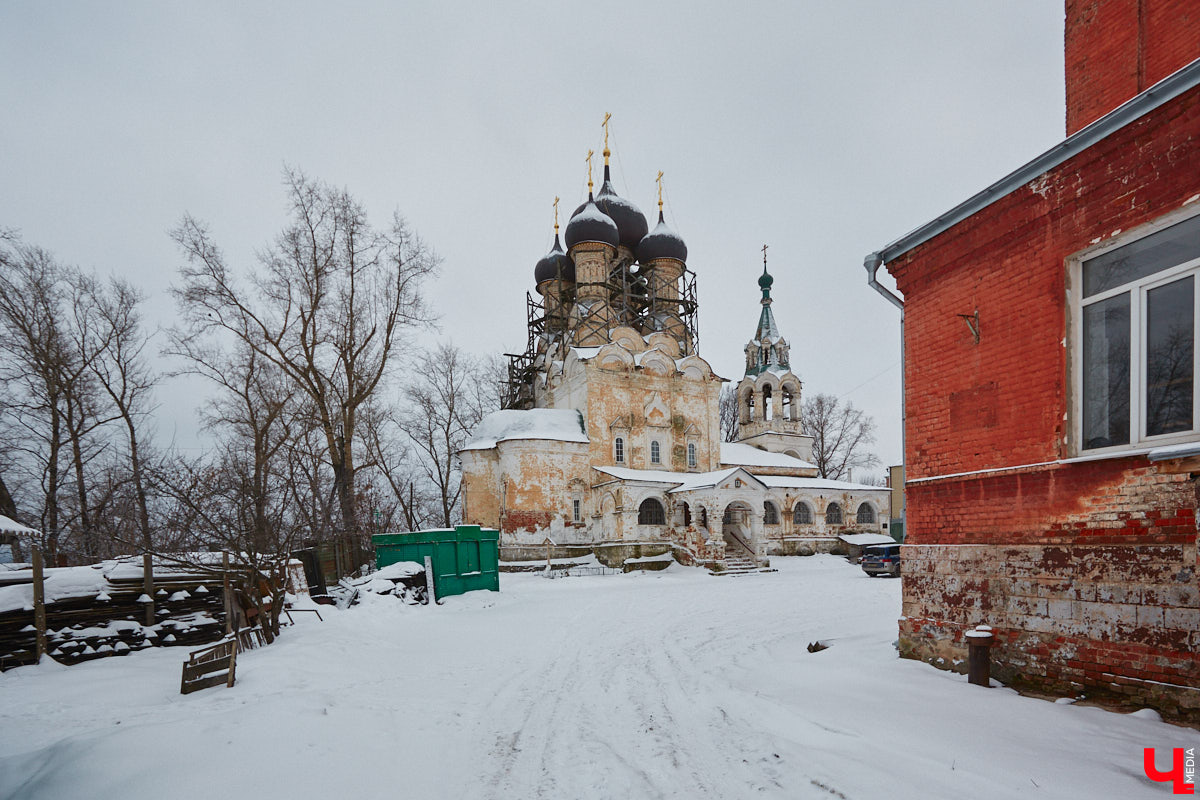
pixel 647 300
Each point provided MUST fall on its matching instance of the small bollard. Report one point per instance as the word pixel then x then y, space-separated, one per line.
pixel 979 660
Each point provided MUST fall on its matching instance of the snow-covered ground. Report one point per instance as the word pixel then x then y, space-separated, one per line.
pixel 669 684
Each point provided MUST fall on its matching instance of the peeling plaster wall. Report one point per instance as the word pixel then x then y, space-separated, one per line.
pixel 536 481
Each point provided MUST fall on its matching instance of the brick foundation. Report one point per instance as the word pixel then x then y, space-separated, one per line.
pixel 1115 620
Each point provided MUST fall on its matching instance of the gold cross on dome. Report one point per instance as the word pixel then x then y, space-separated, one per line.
pixel 658 180
pixel 589 160
pixel 604 125
pixel 556 216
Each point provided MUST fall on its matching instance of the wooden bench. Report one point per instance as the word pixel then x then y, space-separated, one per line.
pixel 211 666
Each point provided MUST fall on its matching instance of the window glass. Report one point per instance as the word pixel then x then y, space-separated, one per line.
pixel 1146 256
pixel 833 514
pixel 866 514
pixel 770 513
pixel 1170 333
pixel 650 512
pixel 802 514
pixel 1106 372
pixel 619 449
pixel 655 453
pixel 691 455
pixel 575 510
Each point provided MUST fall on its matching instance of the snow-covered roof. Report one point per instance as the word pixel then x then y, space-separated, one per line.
pixel 556 424
pixel 682 481
pixel 8 525
pixel 865 539
pixel 584 353
pixel 749 456
pixel 787 482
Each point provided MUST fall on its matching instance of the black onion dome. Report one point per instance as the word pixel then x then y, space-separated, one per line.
pixel 555 264
pixel 631 222
pixel 590 224
pixel 662 242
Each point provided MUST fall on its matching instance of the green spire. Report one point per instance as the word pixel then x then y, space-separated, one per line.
pixel 765 351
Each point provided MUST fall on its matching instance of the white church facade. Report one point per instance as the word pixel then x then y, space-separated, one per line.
pixel 610 437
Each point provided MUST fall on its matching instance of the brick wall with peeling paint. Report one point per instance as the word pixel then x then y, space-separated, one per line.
pixel 1088 570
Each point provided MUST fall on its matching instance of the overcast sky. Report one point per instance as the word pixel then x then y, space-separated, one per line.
pixel 824 129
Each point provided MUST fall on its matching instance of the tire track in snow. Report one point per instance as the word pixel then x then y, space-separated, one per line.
pixel 652 721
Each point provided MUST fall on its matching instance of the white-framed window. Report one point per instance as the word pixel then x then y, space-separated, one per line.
pixel 655 452
pixel 576 511
pixel 619 450
pixel 1134 322
pixel 691 450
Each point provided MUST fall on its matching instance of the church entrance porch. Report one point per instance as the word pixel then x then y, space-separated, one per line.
pixel 737 529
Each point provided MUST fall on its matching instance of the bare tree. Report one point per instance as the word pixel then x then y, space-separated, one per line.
pixel 450 395
pixel 841 436
pixel 39 376
pixel 727 409
pixel 212 508
pixel 391 456
pixel 116 354
pixel 328 305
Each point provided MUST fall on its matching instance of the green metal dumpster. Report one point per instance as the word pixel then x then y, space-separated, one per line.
pixel 464 559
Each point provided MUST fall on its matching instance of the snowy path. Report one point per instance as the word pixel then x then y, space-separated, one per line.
pixel 641 686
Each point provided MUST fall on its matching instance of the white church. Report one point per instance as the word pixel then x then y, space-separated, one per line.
pixel 610 437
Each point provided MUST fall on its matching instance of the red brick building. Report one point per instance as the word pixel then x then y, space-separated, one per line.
pixel 1052 427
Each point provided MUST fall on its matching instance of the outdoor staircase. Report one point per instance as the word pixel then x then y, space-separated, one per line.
pixel 739 556
pixel 741 565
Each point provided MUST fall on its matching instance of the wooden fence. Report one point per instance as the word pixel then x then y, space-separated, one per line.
pixel 211 666
pixel 134 610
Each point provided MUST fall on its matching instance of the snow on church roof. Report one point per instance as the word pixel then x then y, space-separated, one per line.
pixel 563 425
pixel 686 481
pixel 787 482
pixel 749 456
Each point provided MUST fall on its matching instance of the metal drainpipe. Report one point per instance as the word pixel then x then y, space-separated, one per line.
pixel 872 263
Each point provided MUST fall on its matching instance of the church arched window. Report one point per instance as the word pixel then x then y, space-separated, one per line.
pixel 619 450
pixel 770 513
pixel 650 512
pixel 833 514
pixel 691 454
pixel 802 514
pixel 866 514
pixel 655 453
